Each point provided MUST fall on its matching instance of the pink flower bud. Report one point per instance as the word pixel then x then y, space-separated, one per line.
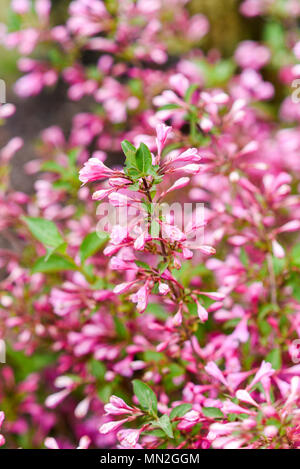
pixel 244 396
pixel 278 250
pixel 20 6
pixel 213 370
pixel 54 400
pixel 43 8
pixel 129 438
pixel 111 426
pixel 202 313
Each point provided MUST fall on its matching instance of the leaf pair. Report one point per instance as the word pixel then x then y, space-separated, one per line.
pixel 138 161
pixel 148 402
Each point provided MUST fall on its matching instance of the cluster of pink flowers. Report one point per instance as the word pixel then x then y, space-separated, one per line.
pixel 149 334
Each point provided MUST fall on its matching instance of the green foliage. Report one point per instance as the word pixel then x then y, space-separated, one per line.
pixel 180 410
pixel 44 231
pixel 92 243
pixel 274 357
pixel 295 256
pixel 146 396
pixel 212 412
pixel 97 369
pixel 165 424
pixel 53 264
pixel 138 164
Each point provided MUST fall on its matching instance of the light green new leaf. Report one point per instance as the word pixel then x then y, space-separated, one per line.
pixel 91 244
pixel 129 151
pixel 44 231
pixel 53 264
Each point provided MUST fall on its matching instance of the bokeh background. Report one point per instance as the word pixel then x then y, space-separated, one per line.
pixel 227 28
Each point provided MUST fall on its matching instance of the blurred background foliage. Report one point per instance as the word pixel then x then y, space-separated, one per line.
pixel 227 29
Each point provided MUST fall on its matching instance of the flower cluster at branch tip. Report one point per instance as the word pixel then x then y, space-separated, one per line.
pixel 149 291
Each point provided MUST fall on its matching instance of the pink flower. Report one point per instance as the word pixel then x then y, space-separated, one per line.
pixel 93 170
pixel 20 6
pixel 162 131
pixel 265 371
pixel 251 7
pixel 278 250
pixel 129 438
pixel 213 370
pixel 250 54
pixel 117 406
pixel 43 8
pixel 111 426
pixel 232 408
pixel 7 110
pixel 141 298
pixel 2 439
pixel 297 50
pixel 202 312
pixel 54 400
pixel 11 148
pixel 51 443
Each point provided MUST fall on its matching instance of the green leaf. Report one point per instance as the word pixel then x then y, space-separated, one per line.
pixel 143 265
pixel 152 356
pixel 162 266
pixel 157 310
pixel 189 92
pixel 295 257
pixel 143 159
pixel 244 257
pixel 168 107
pixel 61 249
pixel 120 327
pixel 146 396
pixel 274 357
pixel 23 365
pixel 54 264
pixel 274 35
pixel 97 369
pixel 53 167
pixel 212 412
pixel 129 151
pixel 14 21
pixel 44 231
pixel 104 392
pixel 165 424
pixel 180 410
pixel 73 155
pixel 157 433
pixel 92 243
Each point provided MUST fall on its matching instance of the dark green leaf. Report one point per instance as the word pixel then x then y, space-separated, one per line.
pixel 146 396
pixel 143 159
